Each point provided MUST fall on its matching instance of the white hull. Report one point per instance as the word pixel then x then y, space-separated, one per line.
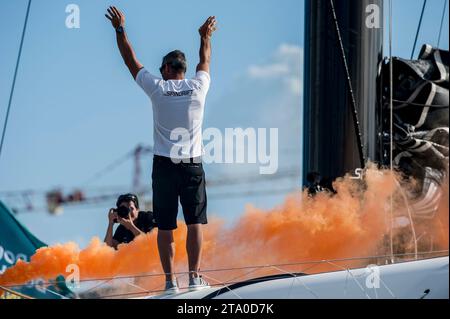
pixel 427 279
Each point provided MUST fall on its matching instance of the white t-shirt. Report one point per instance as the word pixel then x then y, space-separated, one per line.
pixel 178 108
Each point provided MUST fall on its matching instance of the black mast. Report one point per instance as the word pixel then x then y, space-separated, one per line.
pixel 342 58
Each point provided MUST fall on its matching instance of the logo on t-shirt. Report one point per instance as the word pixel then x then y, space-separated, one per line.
pixel 181 93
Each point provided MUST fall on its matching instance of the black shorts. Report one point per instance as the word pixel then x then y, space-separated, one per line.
pixel 171 181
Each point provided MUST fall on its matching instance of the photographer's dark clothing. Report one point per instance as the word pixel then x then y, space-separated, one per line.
pixel 145 222
pixel 171 181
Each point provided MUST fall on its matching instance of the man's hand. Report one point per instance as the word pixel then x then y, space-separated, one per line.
pixel 207 29
pixel 126 222
pixel 112 216
pixel 116 17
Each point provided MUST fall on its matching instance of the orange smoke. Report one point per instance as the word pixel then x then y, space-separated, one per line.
pixel 354 222
pixel 440 222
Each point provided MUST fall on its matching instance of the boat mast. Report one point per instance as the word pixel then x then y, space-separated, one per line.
pixel 343 52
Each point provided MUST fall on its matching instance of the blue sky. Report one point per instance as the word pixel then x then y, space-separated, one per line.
pixel 76 108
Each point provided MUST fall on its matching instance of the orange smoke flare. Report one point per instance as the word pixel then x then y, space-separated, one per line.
pixel 354 222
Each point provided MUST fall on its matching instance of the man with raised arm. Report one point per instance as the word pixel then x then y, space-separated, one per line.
pixel 178 108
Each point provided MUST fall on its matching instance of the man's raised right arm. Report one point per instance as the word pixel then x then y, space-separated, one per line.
pixel 117 19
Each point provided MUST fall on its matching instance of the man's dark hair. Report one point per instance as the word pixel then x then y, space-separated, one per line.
pixel 128 198
pixel 177 61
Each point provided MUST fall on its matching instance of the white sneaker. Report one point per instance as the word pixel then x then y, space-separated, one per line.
pixel 197 283
pixel 171 287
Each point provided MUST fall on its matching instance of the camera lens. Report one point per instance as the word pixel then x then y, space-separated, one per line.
pixel 123 211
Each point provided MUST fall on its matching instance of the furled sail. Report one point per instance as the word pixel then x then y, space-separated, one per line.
pixel 420 122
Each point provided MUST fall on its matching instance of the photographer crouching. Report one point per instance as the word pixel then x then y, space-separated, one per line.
pixel 132 221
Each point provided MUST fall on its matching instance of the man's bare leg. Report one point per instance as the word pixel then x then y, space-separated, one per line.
pixel 166 248
pixel 194 248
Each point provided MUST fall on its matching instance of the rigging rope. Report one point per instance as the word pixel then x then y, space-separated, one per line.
pixel 391 130
pixel 349 83
pixel 225 284
pixel 430 254
pixel 15 76
pixel 442 23
pixel 418 28
pixel 411 221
